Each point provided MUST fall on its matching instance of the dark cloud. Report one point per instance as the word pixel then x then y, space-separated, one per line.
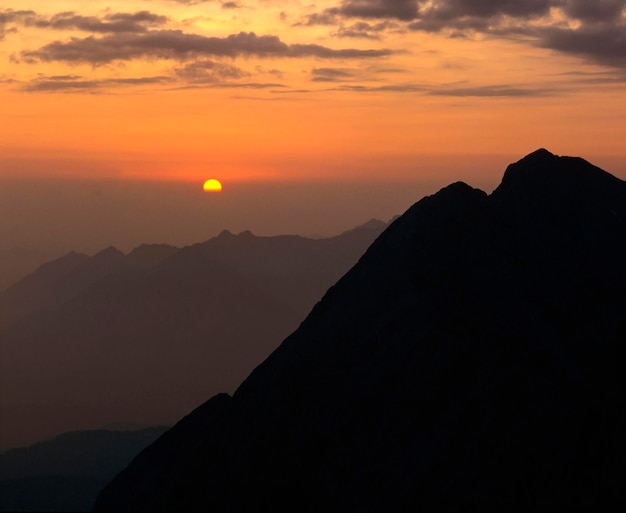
pixel 189 2
pixel 399 9
pixel 594 10
pixel 405 10
pixel 331 74
pixel 490 91
pixel 175 44
pixel 602 43
pixel 76 83
pixel 226 4
pixel 111 23
pixel 137 22
pixel 391 88
pixel 249 85
pixel 199 74
pixel 412 10
pixel 599 36
pixel 595 77
pixel 319 18
pixel 425 11
pixel 10 16
pixel 364 30
pixel 454 9
pixel 477 15
pixel 208 71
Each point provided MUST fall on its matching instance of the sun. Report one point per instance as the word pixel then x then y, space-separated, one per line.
pixel 212 185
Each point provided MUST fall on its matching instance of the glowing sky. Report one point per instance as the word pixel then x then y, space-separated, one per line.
pixel 288 89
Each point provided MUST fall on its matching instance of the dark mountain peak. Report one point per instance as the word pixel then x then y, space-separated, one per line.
pixel 372 224
pixel 68 260
pixel 246 234
pixel 225 234
pixel 458 191
pixel 149 255
pixel 453 201
pixel 540 155
pixel 152 248
pixel 544 173
pixel 110 252
pixel 52 272
pixel 469 360
pixel 375 226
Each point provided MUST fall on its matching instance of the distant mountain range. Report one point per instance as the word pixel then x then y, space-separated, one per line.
pixel 66 473
pixel 469 361
pixel 144 337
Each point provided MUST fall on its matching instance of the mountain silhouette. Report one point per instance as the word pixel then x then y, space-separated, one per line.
pixel 146 337
pixel 470 360
pixel 67 472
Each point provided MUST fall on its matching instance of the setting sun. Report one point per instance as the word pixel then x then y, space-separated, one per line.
pixel 212 185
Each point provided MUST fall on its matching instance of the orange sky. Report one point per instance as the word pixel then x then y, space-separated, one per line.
pixel 290 90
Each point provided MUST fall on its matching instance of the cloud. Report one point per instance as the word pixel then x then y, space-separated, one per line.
pixel 399 9
pixel 76 83
pixel 595 30
pixel 602 44
pixel 225 3
pixel 411 10
pixel 111 23
pixel 10 16
pixel 594 10
pixel 485 91
pixel 319 18
pixel 390 88
pixel 191 2
pixel 490 91
pixel 137 22
pixel 454 9
pixel 405 10
pixel 208 71
pixel 175 44
pixel 364 30
pixel 598 35
pixel 331 74
pixel 595 77
pixel 215 75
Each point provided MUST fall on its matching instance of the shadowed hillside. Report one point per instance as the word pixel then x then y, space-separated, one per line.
pixel 66 473
pixel 469 361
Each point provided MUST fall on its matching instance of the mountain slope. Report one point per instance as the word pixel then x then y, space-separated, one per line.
pixel 39 289
pixel 469 360
pixel 66 473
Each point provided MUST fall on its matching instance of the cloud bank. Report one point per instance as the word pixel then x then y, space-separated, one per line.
pixel 595 30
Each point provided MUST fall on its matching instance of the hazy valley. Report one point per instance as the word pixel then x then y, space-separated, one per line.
pixel 150 334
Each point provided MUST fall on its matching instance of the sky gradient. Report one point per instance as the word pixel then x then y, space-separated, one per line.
pixel 288 90
pixel 315 116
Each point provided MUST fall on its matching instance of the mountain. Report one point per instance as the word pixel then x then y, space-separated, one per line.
pixel 469 361
pixel 66 473
pixel 17 262
pixel 145 337
pixel 39 289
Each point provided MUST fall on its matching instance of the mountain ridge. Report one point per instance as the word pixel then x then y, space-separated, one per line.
pixel 109 333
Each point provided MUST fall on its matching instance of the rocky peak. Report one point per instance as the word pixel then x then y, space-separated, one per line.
pixel 458 365
pixel 544 174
